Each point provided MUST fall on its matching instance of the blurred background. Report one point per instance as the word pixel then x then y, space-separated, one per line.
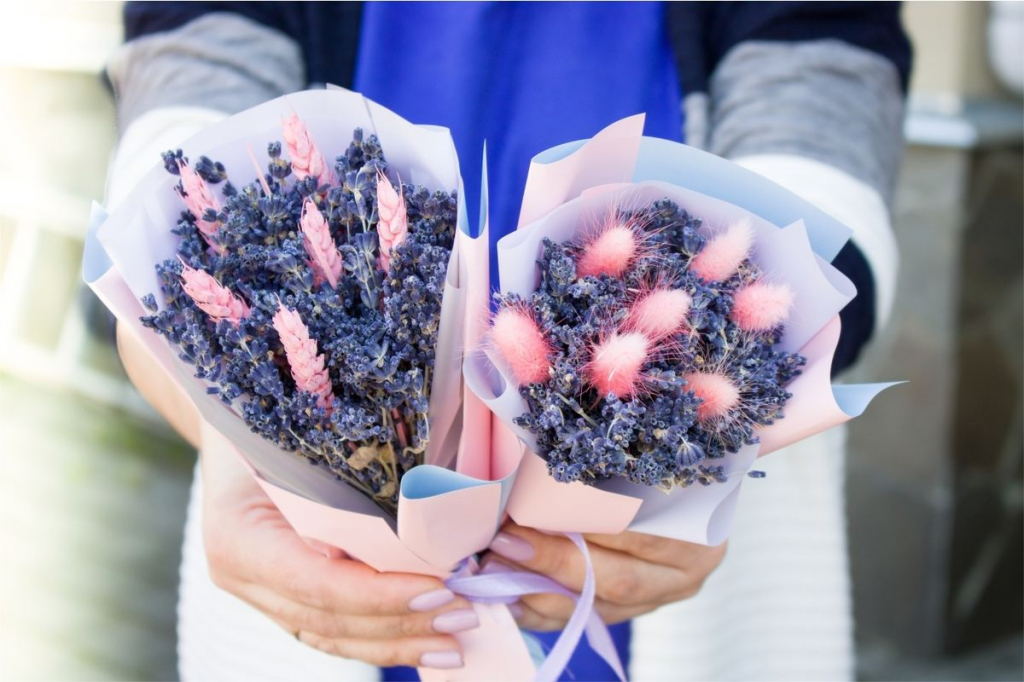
pixel 93 485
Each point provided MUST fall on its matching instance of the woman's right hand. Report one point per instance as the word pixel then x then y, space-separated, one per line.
pixel 334 604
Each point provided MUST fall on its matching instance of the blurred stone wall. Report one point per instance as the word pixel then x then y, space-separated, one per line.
pixel 934 479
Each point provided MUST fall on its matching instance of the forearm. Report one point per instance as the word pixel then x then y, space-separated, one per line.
pixel 157 387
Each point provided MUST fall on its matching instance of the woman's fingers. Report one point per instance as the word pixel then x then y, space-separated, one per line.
pixel 294 616
pixel 622 579
pixel 263 552
pixel 440 651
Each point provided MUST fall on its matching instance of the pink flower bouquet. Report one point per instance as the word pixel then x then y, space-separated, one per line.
pixel 664 318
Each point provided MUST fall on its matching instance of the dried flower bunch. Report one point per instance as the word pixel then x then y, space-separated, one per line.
pixel 648 351
pixel 310 300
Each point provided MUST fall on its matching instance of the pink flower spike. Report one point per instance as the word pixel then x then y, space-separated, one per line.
pixel 198 198
pixel 616 362
pixel 718 393
pixel 611 253
pixel 722 256
pixel 320 246
pixel 660 313
pixel 306 159
pixel 307 365
pixel 518 338
pixel 212 297
pixel 392 218
pixel 761 307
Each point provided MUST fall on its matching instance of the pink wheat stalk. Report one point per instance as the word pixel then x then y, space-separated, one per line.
pixel 320 246
pixel 307 365
pixel 305 158
pixel 392 219
pixel 212 297
pixel 198 198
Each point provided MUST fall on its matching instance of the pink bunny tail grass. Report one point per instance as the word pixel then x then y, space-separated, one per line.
pixel 392 218
pixel 307 366
pixel 212 297
pixel 198 198
pixel 305 158
pixel 517 336
pixel 616 363
pixel 722 256
pixel 718 393
pixel 660 313
pixel 761 307
pixel 320 247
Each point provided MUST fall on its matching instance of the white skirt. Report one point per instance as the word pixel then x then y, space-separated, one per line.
pixel 778 608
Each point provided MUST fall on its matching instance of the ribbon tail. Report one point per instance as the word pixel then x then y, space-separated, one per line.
pixel 583 619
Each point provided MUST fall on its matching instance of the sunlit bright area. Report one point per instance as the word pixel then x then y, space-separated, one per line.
pixel 92 484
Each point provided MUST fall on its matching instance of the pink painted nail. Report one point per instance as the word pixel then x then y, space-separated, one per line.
pixel 428 601
pixel 456 621
pixel 512 547
pixel 441 660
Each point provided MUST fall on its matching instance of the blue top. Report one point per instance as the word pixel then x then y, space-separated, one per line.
pixel 524 77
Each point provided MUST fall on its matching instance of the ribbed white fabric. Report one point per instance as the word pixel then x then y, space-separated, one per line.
pixel 777 609
pixel 779 606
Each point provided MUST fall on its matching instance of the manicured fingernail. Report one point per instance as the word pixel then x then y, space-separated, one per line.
pixel 456 621
pixel 428 601
pixel 442 660
pixel 515 609
pixel 512 547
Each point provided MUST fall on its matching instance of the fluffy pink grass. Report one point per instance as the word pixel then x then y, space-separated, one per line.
pixel 610 253
pixel 307 365
pixel 722 256
pixel 616 363
pixel 198 198
pixel 518 338
pixel 305 158
pixel 718 393
pixel 320 247
pixel 660 313
pixel 212 297
pixel 761 306
pixel 392 218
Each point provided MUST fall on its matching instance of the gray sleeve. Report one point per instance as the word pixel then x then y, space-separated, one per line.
pixel 220 61
pixel 825 100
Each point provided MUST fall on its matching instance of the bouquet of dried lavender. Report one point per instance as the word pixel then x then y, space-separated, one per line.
pixel 649 350
pixel 311 300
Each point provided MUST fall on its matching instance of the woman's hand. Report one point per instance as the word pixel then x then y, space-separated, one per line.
pixel 335 604
pixel 636 573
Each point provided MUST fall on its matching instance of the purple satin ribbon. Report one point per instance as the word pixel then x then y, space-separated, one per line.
pixel 497 586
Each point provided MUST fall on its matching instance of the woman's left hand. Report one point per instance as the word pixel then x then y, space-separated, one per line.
pixel 635 573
